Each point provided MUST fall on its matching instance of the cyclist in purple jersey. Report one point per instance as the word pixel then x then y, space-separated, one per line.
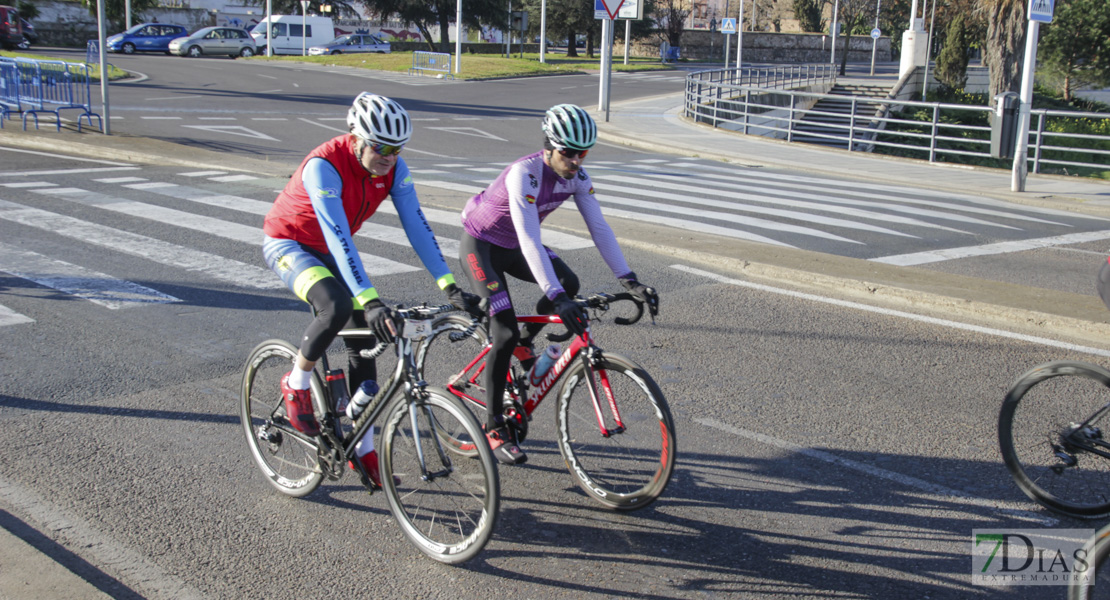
pixel 502 236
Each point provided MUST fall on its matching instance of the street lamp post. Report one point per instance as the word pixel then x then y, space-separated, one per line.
pixel 304 27
pixel 458 34
pixel 875 39
pixel 269 27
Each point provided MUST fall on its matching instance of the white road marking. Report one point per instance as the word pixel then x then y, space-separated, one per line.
pixel 128 565
pixel 29 184
pixel 231 178
pixel 375 265
pixel 96 287
pixel 932 256
pixel 691 226
pixel 64 171
pixel 10 317
pixel 234 130
pixel 120 179
pixel 471 131
pixel 896 313
pixel 203 173
pixel 215 266
pixel 66 157
pixel 949 494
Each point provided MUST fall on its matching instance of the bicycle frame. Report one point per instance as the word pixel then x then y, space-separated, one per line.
pixel 580 346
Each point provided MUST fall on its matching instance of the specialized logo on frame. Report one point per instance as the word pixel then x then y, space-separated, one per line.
pixel 1004 557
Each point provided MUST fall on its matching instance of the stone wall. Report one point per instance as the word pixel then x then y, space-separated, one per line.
pixel 764 47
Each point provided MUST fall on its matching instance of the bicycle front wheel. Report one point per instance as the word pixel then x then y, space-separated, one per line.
pixel 1050 433
pixel 289 460
pixel 624 469
pixel 445 503
pixel 1084 585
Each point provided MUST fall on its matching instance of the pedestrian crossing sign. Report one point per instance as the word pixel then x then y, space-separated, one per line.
pixel 728 26
pixel 1041 10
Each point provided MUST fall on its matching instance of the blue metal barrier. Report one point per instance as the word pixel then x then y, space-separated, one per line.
pixel 9 90
pixel 46 86
pixel 431 61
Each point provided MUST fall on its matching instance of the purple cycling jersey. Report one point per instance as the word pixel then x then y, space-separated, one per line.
pixel 508 213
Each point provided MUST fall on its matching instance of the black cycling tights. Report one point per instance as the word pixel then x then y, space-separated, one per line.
pixel 334 311
pixel 485 266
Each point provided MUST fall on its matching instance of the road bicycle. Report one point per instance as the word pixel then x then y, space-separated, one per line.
pixel 445 504
pixel 1050 433
pixel 614 428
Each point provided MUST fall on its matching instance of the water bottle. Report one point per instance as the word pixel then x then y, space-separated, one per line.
pixel 543 364
pixel 362 398
pixel 337 383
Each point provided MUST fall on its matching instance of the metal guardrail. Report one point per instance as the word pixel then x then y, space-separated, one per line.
pixel 781 103
pixel 436 62
pixel 45 86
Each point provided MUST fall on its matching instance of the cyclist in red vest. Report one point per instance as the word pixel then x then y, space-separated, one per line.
pixel 309 244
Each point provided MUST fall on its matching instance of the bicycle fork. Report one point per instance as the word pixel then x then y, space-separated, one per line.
pixel 433 426
pixel 592 357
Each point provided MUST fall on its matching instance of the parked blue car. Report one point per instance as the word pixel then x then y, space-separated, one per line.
pixel 146 37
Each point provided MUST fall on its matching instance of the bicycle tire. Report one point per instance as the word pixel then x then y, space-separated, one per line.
pixel 449 517
pixel 290 461
pixel 1041 408
pixel 1098 548
pixel 624 471
pixel 439 358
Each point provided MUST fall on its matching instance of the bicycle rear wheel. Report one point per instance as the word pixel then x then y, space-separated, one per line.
pixel 446 504
pixel 1050 422
pixel 289 460
pixel 625 470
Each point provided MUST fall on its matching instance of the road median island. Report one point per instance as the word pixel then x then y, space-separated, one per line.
pixel 1031 311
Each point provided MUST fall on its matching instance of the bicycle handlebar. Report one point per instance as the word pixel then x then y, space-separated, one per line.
pixel 602 301
pixel 417 313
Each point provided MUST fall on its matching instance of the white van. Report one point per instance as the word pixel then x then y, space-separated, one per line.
pixel 288 34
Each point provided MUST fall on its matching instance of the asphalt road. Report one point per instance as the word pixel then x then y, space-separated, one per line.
pixel 824 449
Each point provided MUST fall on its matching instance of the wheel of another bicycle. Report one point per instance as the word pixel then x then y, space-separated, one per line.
pixel 446 504
pixel 439 358
pixel 626 470
pixel 288 459
pixel 1041 416
pixel 1094 581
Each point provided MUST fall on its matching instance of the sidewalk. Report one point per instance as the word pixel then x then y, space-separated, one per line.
pixel 655 124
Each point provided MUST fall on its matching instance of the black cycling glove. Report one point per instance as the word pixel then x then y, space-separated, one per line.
pixel 574 318
pixel 641 292
pixel 463 300
pixel 379 317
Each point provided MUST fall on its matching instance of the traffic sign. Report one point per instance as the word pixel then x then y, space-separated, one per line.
pixel 607 9
pixel 876 33
pixel 728 26
pixel 1041 10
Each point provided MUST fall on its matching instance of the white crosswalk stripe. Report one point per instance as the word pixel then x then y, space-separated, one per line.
pixel 78 281
pixel 375 265
pixel 218 267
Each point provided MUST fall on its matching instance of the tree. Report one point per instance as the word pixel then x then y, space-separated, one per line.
pixel 855 16
pixel 808 14
pixel 565 19
pixel 28 10
pixel 1004 50
pixel 115 11
pixel 293 7
pixel 427 13
pixel 1072 49
pixel 670 15
pixel 952 62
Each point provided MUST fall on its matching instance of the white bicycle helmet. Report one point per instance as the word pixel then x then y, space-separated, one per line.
pixel 568 126
pixel 379 120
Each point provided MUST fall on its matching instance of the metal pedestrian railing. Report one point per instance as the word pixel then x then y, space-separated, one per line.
pixel 31 87
pixel 431 62
pixel 783 103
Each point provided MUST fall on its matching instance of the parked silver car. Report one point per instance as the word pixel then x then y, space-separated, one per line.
pixel 351 43
pixel 215 41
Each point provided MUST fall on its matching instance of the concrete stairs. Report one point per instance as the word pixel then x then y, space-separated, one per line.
pixel 832 117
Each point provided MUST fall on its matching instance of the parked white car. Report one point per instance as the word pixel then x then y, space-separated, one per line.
pixel 214 41
pixel 292 34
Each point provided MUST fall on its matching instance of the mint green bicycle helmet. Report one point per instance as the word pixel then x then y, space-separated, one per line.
pixel 568 126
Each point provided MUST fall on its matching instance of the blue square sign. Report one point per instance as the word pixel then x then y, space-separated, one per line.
pixel 1041 10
